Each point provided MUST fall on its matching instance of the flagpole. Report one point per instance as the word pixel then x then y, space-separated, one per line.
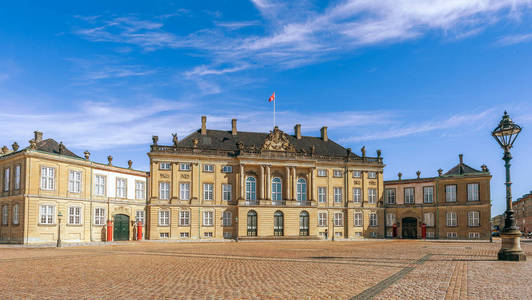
pixel 274 112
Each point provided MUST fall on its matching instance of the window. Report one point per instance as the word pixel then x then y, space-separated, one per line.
pixel 47 178
pixel 251 194
pixel 429 219
pixel 430 234
pixel 139 190
pixel 183 234
pixel 276 189
pixel 227 218
pixel 338 195
pixel 451 219
pixel 139 216
pixel 208 217
pixel 390 196
pixel 164 218
pixel 301 189
pixel 227 235
pixel 121 188
pixel 409 195
pixel 47 214
pixel 338 234
pixel 17 177
pixel 184 167
pixel 303 224
pixel 226 191
pixel 373 219
pixel 450 193
pixel 322 194
pixel 184 218
pixel 372 196
pixel 207 234
pixel 252 223
pixel 338 219
pixel 164 190
pixel 74 215
pixel 99 185
pixel 278 223
pixel 164 166
pixel 184 191
pixel 74 181
pixel 227 169
pixel 99 216
pixel 390 219
pixel 208 168
pixel 5 214
pixel 358 219
pixel 15 214
pixel 337 173
pixel 322 219
pixel 372 175
pixel 474 235
pixel 357 195
pixel 357 174
pixel 473 219
pixel 322 173
pixel 472 192
pixel 164 235
pixel 6 179
pixel 451 235
pixel 208 189
pixel 428 194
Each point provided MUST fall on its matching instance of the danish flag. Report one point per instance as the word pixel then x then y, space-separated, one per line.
pixel 272 97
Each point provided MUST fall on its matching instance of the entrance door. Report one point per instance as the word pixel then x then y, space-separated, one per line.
pixel 121 228
pixel 278 224
pixel 409 228
pixel 303 223
pixel 252 223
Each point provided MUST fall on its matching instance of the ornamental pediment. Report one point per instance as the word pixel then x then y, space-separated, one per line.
pixel 277 140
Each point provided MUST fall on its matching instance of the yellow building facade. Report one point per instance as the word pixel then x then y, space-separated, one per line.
pixel 49 191
pixel 217 184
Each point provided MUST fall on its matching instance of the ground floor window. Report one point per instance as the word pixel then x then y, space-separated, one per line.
pixel 208 217
pixel 74 215
pixel 164 217
pixel 252 223
pixel 474 235
pixel 338 219
pixel 303 223
pixel 207 234
pixel 183 234
pixel 47 214
pixel 227 218
pixel 184 218
pixel 278 223
pixel 451 235
pixel 164 235
pixel 430 234
pixel 99 216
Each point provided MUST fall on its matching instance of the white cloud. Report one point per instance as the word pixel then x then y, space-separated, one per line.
pixel 515 39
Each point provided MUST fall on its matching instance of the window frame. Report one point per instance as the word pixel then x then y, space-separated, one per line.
pixel 208 191
pixel 74 181
pixel 390 219
pixel 165 166
pixel 338 222
pixel 184 217
pixel 338 173
pixel 227 195
pixel 227 169
pixel 372 175
pixel 387 195
pixel 477 194
pixel 49 180
pixel 451 221
pixel 227 218
pixel 206 220
pixel 454 194
pixel 372 195
pixel 208 168
pixel 251 188
pixel 184 166
pixel 184 191
pixel 277 193
pixel 5 215
pixel 471 218
pixel 413 196
pixel 322 222
pixel 15 211
pixel 431 223
pixel 358 222
pixel 142 218
pixel 322 197
pixel 7 179
pixel 322 173
pixel 357 195
pixel 142 191
pixel 104 185
pixel 75 215
pixel 164 218
pixel 97 216
pixel 338 197
pixel 117 188
pixel 373 219
pixel 425 194
pixel 47 214
pixel 357 174
pixel 301 189
pixel 164 194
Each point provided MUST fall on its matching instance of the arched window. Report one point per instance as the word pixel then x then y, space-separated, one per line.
pixel 303 223
pixel 278 223
pixel 276 189
pixel 251 189
pixel 301 190
pixel 252 223
pixel 227 218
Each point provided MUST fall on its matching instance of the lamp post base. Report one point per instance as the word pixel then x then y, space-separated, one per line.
pixel 511 247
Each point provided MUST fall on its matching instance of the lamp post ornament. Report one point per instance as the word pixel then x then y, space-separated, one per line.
pixel 505 134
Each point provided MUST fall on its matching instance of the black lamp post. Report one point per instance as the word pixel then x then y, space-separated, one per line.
pixel 505 134
pixel 59 215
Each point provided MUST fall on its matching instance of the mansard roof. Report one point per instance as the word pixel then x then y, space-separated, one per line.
pixel 461 169
pixel 52 146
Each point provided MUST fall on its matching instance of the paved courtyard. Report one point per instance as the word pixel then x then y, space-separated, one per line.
pixel 259 270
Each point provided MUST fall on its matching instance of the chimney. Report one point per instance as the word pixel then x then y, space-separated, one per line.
pixel 203 125
pixel 461 156
pixel 297 131
pixel 324 133
pixel 38 136
pixel 233 126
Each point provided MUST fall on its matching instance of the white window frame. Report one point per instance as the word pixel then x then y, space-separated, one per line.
pixel 358 219
pixel 428 197
pixel 100 185
pixel 357 195
pixel 121 188
pixel 372 195
pixel 99 216
pixel 390 195
pixel 227 218
pixel 183 235
pixel 277 189
pixel 208 218
pixel 227 169
pixel 184 167
pixel 208 191
pixel 251 188
pixel 390 219
pixel 47 178
pixel 74 181
pixel 410 197
pixel 184 191
pixel 337 173
pixel 474 235
pixel 357 174
pixel 75 213
pixel 322 219
pixel 473 192
pixel 164 190
pixel 373 219
pixel 452 235
pixel 227 192
pixel 165 166
pixel 140 190
pixel 208 168
pixel 164 217
pixel 473 218
pixel 338 195
pixel 17 176
pixel 139 216
pixel 428 219
pixel 372 175
pixel 15 216
pixel 338 219
pixel 184 218
pixel 450 193
pixel 301 190
pixel 47 214
pixel 322 194
pixel 322 173
pixel 451 219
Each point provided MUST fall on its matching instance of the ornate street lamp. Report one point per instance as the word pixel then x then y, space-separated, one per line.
pixel 505 134
pixel 59 216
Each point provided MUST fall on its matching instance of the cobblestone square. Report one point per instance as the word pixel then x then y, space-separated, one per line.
pixel 265 270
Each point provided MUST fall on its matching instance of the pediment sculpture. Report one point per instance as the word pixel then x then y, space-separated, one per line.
pixel 277 141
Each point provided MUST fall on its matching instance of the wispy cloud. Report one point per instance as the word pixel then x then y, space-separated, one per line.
pixel 515 39
pixel 236 25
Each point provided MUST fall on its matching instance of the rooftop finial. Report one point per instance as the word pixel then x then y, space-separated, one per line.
pixel 399 175
pixel 87 154
pixel 110 160
pixel 130 163
pixel 418 173
pixel 440 172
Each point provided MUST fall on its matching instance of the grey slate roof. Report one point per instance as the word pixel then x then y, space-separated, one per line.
pixel 461 169
pixel 51 146
pixel 225 141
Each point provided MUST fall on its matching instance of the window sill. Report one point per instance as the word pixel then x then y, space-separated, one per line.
pixel 164 225
pixel 47 225
pixel 74 225
pixel 184 225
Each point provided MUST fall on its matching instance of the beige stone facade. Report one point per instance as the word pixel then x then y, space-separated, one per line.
pixel 454 205
pixel 218 184
pixel 523 213
pixel 45 185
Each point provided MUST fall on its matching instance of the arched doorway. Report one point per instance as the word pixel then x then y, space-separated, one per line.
pixel 278 223
pixel 121 228
pixel 409 228
pixel 252 223
pixel 303 223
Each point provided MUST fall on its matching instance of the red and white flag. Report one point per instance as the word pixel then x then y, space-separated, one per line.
pixel 272 97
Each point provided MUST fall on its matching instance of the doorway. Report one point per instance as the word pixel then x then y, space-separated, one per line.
pixel 121 228
pixel 409 228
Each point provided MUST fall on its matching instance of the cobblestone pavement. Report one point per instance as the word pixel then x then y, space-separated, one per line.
pixel 260 270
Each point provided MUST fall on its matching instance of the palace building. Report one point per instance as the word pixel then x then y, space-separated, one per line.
pixel 453 205
pixel 228 184
pixel 522 208
pixel 49 192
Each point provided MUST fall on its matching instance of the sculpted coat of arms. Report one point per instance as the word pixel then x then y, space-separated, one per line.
pixel 277 141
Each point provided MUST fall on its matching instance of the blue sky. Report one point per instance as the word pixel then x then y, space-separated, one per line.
pixel 421 81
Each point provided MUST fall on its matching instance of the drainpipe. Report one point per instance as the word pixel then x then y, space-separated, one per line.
pixel 437 212
pixel 92 210
pixel 27 198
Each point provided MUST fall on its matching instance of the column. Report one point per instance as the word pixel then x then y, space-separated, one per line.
pixel 312 185
pixel 268 183
pixel 261 182
pixel 288 194
pixel 242 183
pixel 294 186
